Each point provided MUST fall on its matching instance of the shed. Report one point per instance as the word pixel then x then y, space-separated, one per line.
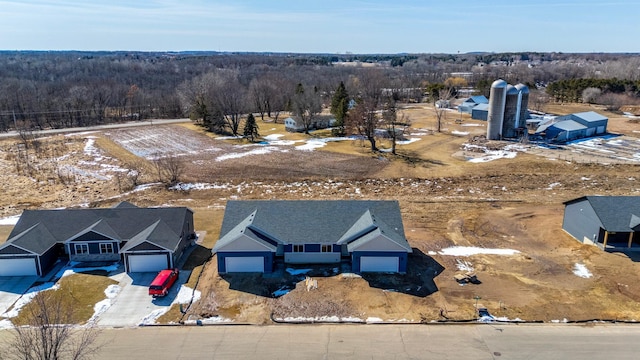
pixel 471 102
pixel 563 130
pixel 480 112
pixel 609 222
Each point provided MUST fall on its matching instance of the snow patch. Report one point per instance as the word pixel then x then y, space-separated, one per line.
pixel 464 265
pixel 10 220
pixel 373 320
pixel 187 295
pixel 472 250
pixel 273 137
pixel 27 297
pixel 297 271
pixel 70 269
pixel 581 271
pixel 460 133
pixel 153 316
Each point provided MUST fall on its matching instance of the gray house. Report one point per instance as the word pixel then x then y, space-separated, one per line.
pixel 610 222
pixel 255 234
pixel 145 239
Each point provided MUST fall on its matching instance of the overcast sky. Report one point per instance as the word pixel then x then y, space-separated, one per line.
pixel 327 26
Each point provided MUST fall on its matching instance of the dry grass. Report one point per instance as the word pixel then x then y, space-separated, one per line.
pixel 79 293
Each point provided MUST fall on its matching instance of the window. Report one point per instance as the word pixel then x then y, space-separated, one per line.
pixel 298 248
pixel 106 248
pixel 82 249
pixel 325 248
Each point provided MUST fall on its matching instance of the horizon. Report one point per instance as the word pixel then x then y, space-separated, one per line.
pixel 328 27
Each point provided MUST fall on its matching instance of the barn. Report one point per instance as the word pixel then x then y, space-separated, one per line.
pixel 573 126
pixel 255 235
pixel 146 239
pixel 609 222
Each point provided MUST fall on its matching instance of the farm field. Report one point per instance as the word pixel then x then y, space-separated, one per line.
pixel 494 208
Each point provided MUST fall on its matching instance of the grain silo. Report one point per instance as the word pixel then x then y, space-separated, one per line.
pixel 523 103
pixel 495 117
pixel 510 112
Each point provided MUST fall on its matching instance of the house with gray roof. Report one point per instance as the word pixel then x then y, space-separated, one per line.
pixel 256 234
pixel 145 239
pixel 468 104
pixel 609 222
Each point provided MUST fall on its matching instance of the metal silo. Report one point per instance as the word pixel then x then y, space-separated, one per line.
pixel 495 117
pixel 523 103
pixel 510 112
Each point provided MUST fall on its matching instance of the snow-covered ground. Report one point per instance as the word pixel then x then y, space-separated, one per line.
pixel 10 220
pixel 27 297
pixel 472 250
pixel 581 271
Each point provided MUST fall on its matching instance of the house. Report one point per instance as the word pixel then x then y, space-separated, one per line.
pixel 469 103
pixel 256 234
pixel 145 239
pixel 295 124
pixel 609 222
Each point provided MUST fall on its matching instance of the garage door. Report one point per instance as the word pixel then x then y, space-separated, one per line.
pixel 147 263
pixel 379 264
pixel 18 267
pixel 245 264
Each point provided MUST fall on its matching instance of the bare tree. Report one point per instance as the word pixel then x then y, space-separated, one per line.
pixel 50 333
pixel 169 169
pixel 306 106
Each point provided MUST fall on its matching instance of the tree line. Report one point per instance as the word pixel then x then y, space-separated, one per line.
pixel 40 90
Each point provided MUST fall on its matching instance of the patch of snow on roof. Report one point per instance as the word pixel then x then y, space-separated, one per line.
pixel 581 271
pixel 472 250
pixel 27 297
pixel 10 220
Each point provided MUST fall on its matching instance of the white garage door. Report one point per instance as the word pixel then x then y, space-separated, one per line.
pixel 18 267
pixel 245 264
pixel 147 263
pixel 379 263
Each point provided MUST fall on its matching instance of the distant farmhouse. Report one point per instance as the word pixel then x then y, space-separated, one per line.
pixel 145 239
pixel 295 124
pixel 609 222
pixel 256 235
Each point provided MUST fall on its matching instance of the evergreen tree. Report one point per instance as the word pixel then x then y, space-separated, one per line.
pixel 251 128
pixel 339 108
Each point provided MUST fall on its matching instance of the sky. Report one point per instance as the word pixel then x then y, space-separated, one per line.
pixel 327 26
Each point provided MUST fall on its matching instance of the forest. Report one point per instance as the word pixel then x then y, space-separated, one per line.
pixel 42 89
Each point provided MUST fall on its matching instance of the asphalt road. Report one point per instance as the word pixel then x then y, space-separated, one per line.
pixel 547 341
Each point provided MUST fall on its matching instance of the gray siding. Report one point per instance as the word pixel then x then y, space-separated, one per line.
pixel 581 221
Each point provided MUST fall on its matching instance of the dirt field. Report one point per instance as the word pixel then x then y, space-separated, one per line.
pixel 509 203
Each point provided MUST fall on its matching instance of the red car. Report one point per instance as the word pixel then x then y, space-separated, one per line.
pixel 162 283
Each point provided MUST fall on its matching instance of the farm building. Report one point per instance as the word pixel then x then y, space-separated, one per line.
pixel 257 234
pixel 573 126
pixel 295 124
pixel 145 239
pixel 609 222
pixel 480 112
pixel 470 103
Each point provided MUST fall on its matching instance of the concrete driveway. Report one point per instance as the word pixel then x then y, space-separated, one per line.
pixel 11 288
pixel 133 304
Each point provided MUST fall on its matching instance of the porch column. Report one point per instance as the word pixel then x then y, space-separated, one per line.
pixel 606 237
pixel 630 238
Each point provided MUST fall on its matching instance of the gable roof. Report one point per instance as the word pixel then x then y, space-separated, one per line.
pixel 38 230
pixel 616 213
pixel 311 221
pixel 477 99
pixel 588 116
